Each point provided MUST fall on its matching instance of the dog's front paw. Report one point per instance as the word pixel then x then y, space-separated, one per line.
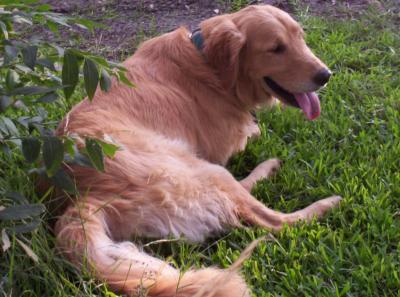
pixel 330 202
pixel 267 168
pixel 254 132
pixel 322 206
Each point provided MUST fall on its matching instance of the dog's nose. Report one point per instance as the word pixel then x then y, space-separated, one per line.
pixel 322 77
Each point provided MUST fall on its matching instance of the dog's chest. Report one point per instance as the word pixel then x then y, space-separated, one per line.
pixel 218 143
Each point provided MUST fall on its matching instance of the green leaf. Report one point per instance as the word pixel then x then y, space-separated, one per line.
pixel 117 65
pixel 8 126
pixel 29 55
pixel 5 149
pixel 25 228
pixel 3 28
pixel 95 153
pixel 59 19
pixel 91 77
pixel 31 148
pixel 43 7
pixel 5 102
pixel 122 77
pixel 87 24
pixel 23 68
pixel 109 149
pixel 28 250
pixel 17 197
pixel 48 98
pixel 3 127
pixel 60 50
pixel 52 26
pixel 81 160
pixel 19 212
pixel 69 146
pixel 33 90
pixel 6 243
pixel 46 63
pixel 63 181
pixel 12 79
pixel 21 19
pixel 99 60
pixel 70 73
pixel 53 154
pixel 11 53
pixel 14 2
pixel 105 81
pixel 77 53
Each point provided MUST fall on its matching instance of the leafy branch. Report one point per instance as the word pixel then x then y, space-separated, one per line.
pixel 33 74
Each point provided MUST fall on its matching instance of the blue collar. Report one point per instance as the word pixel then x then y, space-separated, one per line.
pixel 197 39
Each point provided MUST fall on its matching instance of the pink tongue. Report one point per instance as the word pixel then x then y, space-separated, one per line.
pixel 309 103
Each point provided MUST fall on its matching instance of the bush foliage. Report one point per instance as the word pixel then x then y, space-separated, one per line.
pixel 35 73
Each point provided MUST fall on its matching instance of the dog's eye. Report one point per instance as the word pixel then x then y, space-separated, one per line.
pixel 279 48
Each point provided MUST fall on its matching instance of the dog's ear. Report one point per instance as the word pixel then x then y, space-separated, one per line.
pixel 222 46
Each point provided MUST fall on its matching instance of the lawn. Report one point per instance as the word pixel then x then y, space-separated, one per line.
pixel 352 150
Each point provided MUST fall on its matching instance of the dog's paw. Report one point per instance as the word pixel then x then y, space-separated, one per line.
pixel 254 132
pixel 267 168
pixel 333 200
pixel 326 204
pixel 275 164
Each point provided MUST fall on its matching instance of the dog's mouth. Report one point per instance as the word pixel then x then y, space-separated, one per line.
pixel 308 102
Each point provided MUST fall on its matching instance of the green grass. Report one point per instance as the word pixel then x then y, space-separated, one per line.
pixel 352 150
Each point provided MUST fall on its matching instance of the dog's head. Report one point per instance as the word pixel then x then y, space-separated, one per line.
pixel 260 53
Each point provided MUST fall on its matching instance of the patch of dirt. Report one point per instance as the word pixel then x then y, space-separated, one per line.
pixel 128 22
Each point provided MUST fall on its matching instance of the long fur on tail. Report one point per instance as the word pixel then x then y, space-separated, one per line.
pixel 83 236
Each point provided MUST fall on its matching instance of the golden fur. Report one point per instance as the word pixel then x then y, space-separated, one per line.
pixel 189 112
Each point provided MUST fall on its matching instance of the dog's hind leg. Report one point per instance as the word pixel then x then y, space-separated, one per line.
pixel 263 170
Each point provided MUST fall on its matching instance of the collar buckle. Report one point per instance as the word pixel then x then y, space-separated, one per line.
pixel 196 37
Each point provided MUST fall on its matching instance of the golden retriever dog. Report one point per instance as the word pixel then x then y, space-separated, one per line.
pixel 190 111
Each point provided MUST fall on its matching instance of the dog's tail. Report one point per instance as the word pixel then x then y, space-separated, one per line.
pixel 82 235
